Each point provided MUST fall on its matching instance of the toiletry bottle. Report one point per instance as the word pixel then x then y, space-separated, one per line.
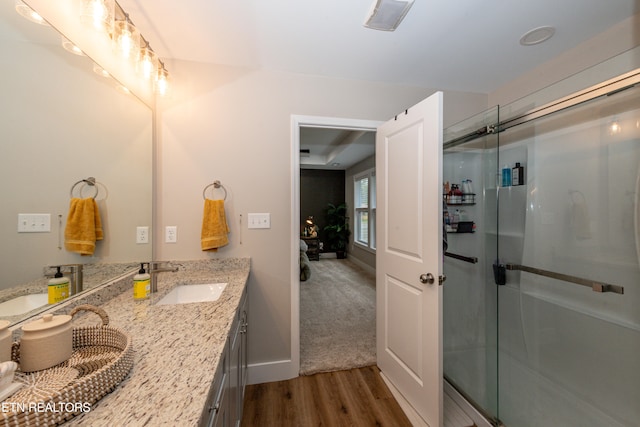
pixel 466 191
pixel 141 284
pixel 464 187
pixel 58 288
pixel 471 198
pixel 517 175
pixel 506 176
pixel 457 194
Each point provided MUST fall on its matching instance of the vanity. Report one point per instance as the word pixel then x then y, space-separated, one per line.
pixel 190 359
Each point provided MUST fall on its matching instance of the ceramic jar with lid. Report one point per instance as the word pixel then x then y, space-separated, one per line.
pixel 45 342
pixel 5 341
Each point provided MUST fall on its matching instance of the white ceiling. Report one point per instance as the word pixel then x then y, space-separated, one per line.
pixel 467 45
pixel 464 45
pixel 334 148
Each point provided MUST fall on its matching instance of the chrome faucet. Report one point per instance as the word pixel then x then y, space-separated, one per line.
pixel 156 267
pixel 75 274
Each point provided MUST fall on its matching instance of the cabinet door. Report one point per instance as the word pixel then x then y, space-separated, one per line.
pixel 238 361
pixel 221 417
pixel 218 405
pixel 242 360
pixel 243 352
pixel 234 372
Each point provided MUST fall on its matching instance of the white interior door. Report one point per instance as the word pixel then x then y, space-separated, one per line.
pixel 409 250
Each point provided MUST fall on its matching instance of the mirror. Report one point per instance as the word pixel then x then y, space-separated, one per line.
pixel 62 123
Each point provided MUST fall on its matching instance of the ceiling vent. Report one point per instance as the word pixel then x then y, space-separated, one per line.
pixel 386 15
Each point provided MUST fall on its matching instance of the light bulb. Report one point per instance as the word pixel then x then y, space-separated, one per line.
pixel 30 14
pixel 147 63
pixel 162 81
pixel 100 71
pixel 98 14
pixel 69 46
pixel 126 39
pixel 615 128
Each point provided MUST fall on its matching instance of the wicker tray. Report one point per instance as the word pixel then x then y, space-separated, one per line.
pixel 102 357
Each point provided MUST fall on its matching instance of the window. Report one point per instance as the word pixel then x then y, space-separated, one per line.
pixel 364 189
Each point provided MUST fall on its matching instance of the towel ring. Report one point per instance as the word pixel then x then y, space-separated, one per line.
pixel 91 181
pixel 215 184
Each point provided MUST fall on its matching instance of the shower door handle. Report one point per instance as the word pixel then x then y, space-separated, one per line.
pixel 594 285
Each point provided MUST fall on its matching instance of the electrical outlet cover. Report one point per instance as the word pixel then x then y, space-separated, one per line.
pixel 142 235
pixel 171 234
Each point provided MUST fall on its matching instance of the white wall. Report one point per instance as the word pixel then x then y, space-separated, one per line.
pixel 235 125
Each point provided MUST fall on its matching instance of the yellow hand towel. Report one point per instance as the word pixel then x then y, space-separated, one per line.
pixel 98 221
pixel 84 226
pixel 214 226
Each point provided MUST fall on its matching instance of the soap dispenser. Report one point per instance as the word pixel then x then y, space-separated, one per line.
pixel 58 288
pixel 141 284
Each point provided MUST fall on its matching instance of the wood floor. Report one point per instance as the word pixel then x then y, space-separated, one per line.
pixel 355 397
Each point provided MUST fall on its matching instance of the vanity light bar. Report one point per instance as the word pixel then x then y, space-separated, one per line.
pixel 107 19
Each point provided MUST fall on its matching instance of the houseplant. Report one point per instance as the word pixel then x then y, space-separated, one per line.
pixel 337 229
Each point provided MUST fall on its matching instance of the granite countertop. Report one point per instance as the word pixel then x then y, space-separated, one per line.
pixel 177 347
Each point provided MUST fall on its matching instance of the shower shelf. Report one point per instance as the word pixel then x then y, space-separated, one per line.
pixel 467 199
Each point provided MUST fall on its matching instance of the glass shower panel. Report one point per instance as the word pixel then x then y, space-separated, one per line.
pixel 568 356
pixel 469 296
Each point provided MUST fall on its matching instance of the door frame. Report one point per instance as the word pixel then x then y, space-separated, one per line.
pixel 298 121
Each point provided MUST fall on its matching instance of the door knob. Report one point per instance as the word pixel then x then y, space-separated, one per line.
pixel 427 278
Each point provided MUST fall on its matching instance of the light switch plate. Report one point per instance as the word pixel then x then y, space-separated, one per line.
pixel 259 220
pixel 34 223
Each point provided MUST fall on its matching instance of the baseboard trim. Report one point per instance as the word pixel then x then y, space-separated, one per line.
pixel 362 264
pixel 415 419
pixel 260 373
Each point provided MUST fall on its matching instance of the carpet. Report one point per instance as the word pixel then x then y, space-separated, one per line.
pixel 337 317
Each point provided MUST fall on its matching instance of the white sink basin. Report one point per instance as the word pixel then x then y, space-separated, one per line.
pixel 193 293
pixel 22 304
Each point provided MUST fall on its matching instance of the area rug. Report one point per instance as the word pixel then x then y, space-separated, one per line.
pixel 337 317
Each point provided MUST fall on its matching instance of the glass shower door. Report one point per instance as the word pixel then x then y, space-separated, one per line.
pixel 568 353
pixel 469 295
